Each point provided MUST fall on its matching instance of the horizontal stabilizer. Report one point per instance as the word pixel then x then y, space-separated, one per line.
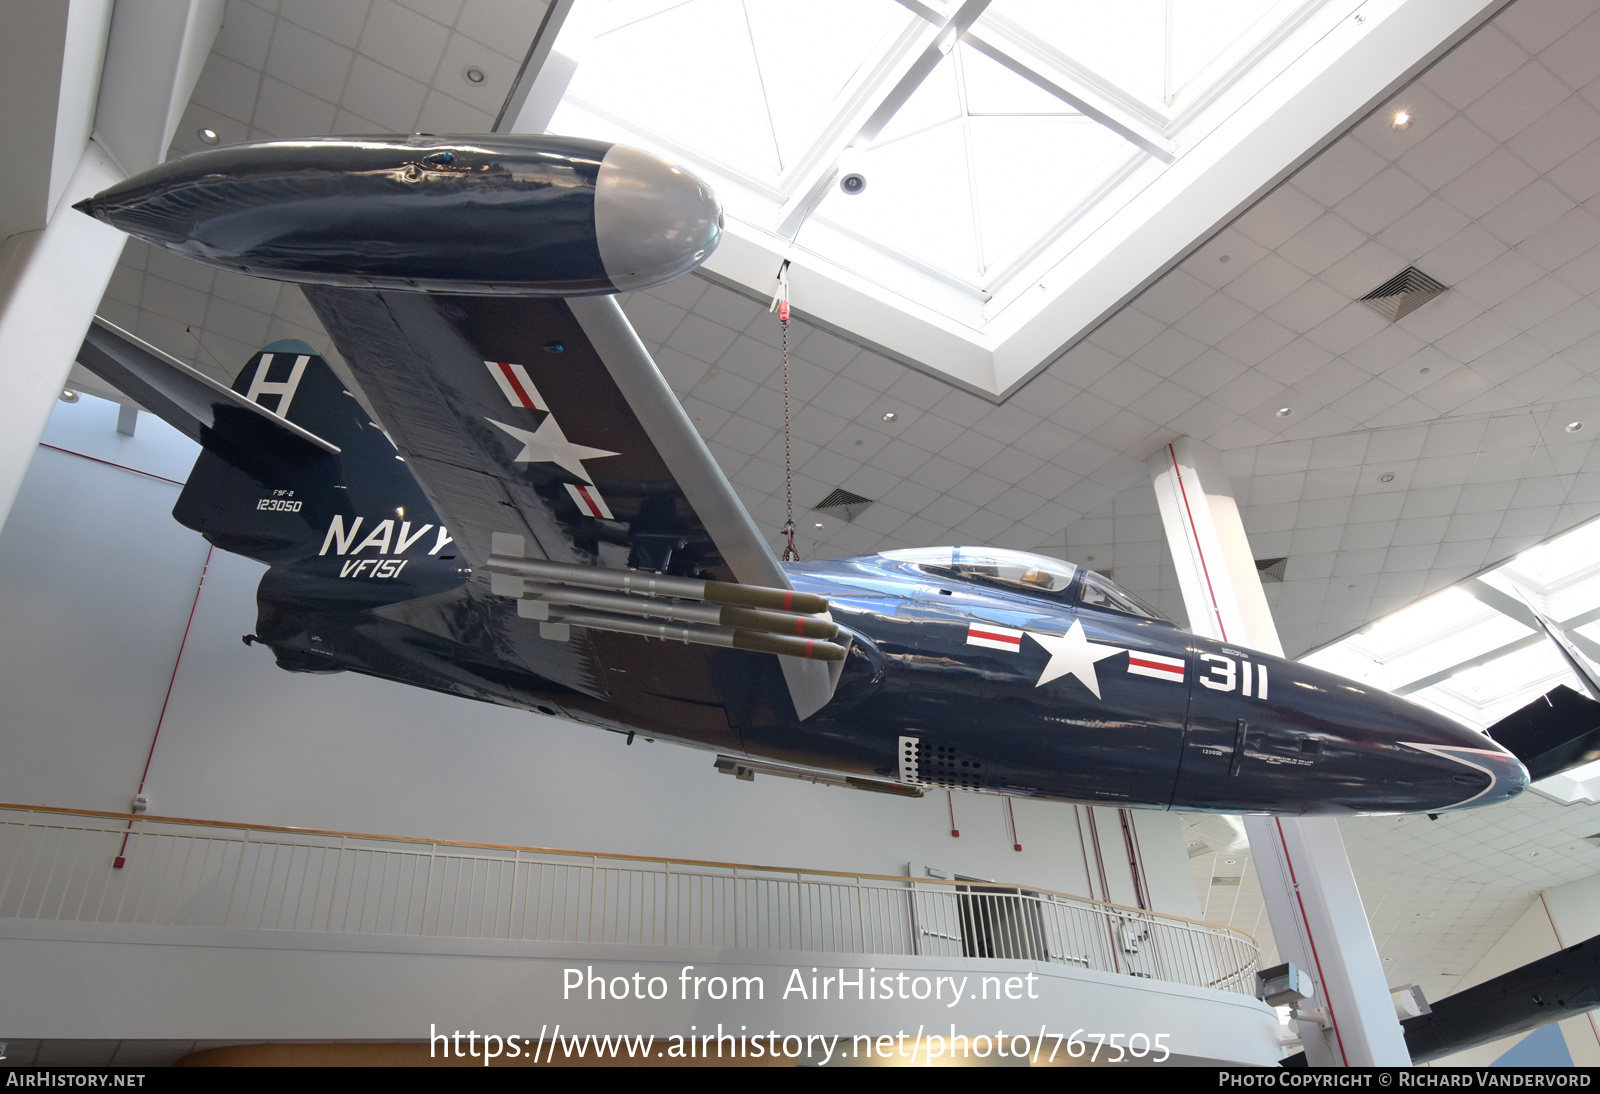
pixel 183 397
pixel 1556 732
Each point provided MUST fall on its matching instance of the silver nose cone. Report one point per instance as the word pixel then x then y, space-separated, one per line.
pixel 653 221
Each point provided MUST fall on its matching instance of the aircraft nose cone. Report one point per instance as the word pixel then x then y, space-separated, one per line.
pixel 653 221
pixel 1487 774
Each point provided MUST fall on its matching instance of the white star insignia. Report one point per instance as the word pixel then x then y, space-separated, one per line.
pixel 1072 654
pixel 548 444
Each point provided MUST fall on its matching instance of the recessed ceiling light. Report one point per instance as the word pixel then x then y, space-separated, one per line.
pixel 209 136
pixel 1285 411
pixel 889 415
pixel 819 524
pixel 1573 427
pixel 1425 370
pixel 1230 861
pixel 1387 476
pixel 475 75
pixel 1401 120
pixel 69 396
pixel 1225 258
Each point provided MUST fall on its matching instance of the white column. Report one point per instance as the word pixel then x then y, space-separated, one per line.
pixel 51 282
pixel 1311 895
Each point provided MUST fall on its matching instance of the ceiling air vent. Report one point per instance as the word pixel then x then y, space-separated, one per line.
pixel 1224 880
pixel 842 503
pixel 1270 569
pixel 1403 293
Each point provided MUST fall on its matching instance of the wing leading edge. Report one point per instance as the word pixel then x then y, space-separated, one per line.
pixel 547 420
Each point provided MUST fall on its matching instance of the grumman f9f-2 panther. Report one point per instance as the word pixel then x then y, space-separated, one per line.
pixel 527 517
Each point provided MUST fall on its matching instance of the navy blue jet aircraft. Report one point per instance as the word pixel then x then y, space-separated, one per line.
pixel 505 501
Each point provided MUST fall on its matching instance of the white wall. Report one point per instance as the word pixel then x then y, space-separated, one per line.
pixel 96 584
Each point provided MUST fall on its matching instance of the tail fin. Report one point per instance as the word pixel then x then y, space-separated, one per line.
pixel 255 491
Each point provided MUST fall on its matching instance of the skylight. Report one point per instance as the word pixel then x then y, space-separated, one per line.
pixel 996 136
pixel 1471 659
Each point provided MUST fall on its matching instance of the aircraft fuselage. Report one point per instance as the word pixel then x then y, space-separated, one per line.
pixel 948 684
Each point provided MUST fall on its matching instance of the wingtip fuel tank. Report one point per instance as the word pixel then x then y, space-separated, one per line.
pixel 525 215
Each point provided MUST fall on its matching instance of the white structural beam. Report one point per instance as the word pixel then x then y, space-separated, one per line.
pixel 995 44
pixel 542 79
pixel 152 61
pixel 126 75
pixel 1310 892
pixel 50 59
pixel 51 281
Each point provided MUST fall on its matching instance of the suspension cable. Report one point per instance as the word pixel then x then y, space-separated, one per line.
pixel 780 303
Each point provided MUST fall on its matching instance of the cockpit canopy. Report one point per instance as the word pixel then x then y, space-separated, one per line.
pixel 991 566
pixel 1019 571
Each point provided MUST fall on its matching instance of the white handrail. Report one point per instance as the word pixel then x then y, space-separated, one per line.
pixel 57 865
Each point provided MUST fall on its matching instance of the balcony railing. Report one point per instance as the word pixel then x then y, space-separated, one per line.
pixel 56 864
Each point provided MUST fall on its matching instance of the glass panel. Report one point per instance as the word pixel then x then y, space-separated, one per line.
pixel 1033 173
pixel 655 68
pixel 1407 629
pixel 809 67
pixel 1511 680
pixel 1123 43
pixel 752 85
pixel 991 88
pixel 1099 591
pixel 1562 559
pixel 1204 31
pixel 918 199
pixel 991 566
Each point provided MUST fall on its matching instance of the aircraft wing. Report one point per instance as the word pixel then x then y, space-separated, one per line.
pixel 545 419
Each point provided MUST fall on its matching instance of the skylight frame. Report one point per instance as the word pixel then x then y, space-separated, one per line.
pixel 996 296
pixel 1573 603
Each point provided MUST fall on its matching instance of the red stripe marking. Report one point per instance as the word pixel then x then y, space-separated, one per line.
pixel 594 510
pixel 516 385
pixel 1216 609
pixel 1316 959
pixel 144 775
pixel 799 627
pixel 788 599
pixel 108 463
pixel 1141 662
pixel 1010 640
pixel 809 644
